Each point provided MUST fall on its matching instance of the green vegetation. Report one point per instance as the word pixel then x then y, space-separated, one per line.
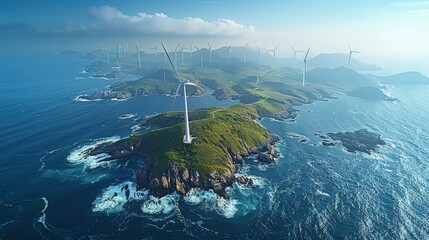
pixel 227 133
pixel 218 132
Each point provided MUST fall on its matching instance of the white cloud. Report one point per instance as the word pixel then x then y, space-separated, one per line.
pixel 111 20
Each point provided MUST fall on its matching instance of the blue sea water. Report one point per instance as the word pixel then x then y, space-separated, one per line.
pixel 312 192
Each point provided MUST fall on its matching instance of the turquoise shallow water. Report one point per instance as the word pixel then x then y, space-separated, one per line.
pixel 311 192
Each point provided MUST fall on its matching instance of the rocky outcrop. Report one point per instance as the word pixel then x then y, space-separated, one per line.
pixel 183 180
pixel 103 95
pixel 358 141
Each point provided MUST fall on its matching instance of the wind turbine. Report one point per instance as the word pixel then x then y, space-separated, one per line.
pixel 117 56
pixel 187 138
pixel 201 56
pixel 228 51
pixel 244 53
pixel 350 55
pixel 210 51
pixel 191 47
pixel 294 53
pixel 305 68
pixel 181 51
pixel 138 56
pixel 274 51
pixel 156 51
pixel 175 54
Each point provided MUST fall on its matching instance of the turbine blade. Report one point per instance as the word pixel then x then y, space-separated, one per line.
pixel 171 62
pixel 137 48
pixel 350 58
pixel 293 49
pixel 306 55
pixel 350 48
pixel 177 92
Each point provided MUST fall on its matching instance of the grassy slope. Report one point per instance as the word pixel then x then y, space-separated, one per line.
pixel 215 130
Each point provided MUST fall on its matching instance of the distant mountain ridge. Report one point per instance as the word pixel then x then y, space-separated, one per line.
pixel 406 78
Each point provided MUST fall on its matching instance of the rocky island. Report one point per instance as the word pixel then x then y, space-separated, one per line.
pixel 358 141
pixel 223 138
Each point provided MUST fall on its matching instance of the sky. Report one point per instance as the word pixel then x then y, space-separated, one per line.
pixel 392 34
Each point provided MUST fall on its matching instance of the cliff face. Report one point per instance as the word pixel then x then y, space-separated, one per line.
pixel 175 179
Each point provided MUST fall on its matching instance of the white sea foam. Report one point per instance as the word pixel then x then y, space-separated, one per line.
pixel 226 207
pixel 163 205
pixel 321 193
pixel 109 203
pixel 42 218
pixel 211 201
pixel 197 196
pixel 80 99
pixel 79 155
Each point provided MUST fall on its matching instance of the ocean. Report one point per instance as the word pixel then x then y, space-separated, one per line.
pixel 48 191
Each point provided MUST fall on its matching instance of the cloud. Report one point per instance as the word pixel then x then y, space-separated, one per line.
pixel 110 19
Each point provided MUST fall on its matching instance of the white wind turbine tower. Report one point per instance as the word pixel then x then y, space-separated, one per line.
pixel 181 51
pixel 107 57
pixel 228 51
pixel 191 47
pixel 187 138
pixel 304 70
pixel 210 51
pixel 117 56
pixel 156 51
pixel 138 56
pixel 244 52
pixel 201 55
pixel 175 54
pixel 350 55
pixel 294 54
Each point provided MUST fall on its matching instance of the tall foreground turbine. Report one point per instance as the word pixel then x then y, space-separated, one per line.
pixel 350 55
pixel 304 71
pixel 187 138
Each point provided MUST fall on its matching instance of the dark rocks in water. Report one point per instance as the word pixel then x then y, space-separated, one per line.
pixel 244 180
pixel 118 150
pixel 359 141
pixel 104 95
pixel 327 143
pixel 266 157
pixel 303 141
pixel 372 93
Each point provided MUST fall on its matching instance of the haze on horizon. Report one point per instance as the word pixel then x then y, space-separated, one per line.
pixel 391 34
